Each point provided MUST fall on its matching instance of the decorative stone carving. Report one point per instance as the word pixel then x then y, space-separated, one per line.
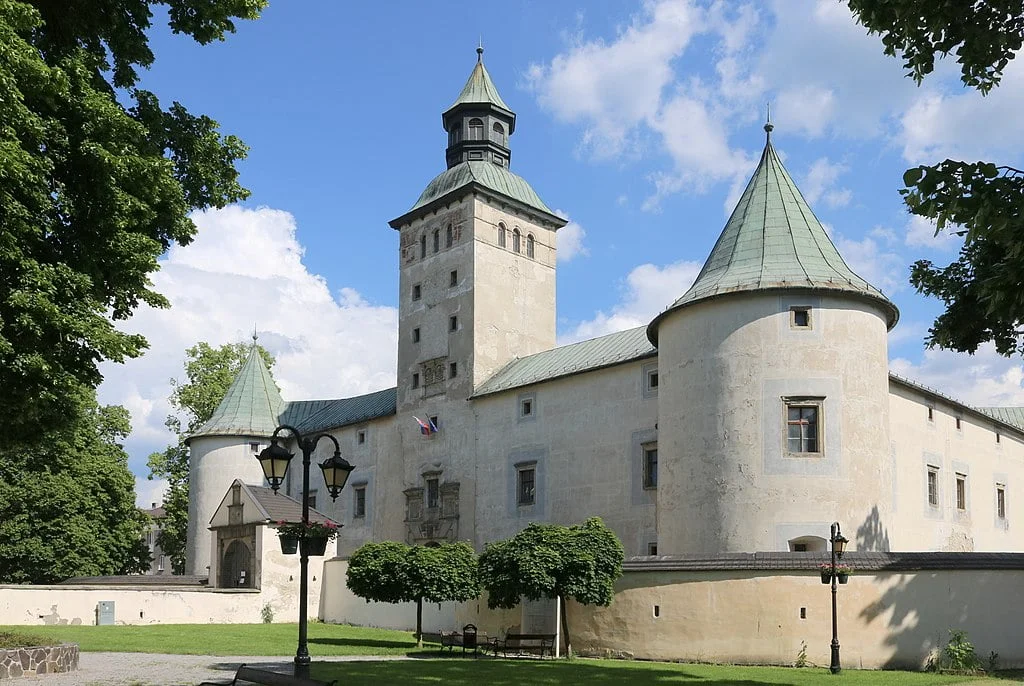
pixel 424 525
pixel 16 662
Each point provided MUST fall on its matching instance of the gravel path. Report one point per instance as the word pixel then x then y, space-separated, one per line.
pixel 147 669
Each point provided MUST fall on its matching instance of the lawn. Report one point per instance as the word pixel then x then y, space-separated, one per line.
pixel 230 639
pixel 470 672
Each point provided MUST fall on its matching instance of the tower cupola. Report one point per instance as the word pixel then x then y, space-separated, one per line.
pixel 479 123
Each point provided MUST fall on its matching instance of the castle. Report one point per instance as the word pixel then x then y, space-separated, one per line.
pixel 753 412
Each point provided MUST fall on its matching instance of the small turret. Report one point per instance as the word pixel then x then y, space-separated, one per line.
pixel 479 122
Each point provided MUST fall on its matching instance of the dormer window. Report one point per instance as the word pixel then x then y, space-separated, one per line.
pixel 476 129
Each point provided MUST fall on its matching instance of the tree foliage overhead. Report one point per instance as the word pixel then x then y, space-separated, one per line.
pixel 67 505
pixel 96 181
pixel 980 201
pixel 392 572
pixel 209 372
pixel 551 561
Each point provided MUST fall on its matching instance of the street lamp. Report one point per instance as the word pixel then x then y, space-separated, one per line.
pixel 275 460
pixel 838 548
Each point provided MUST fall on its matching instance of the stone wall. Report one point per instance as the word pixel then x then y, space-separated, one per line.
pixel 17 662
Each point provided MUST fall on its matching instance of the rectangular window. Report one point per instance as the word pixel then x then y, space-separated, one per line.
pixel 453 278
pixel 312 499
pixel 800 317
pixel 526 407
pixel 417 291
pixel 1000 501
pixel 361 437
pixel 931 414
pixel 433 420
pixel 453 323
pixel 933 486
pixel 415 380
pixel 254 447
pixel 652 379
pixel 958 426
pixel 803 427
pixel 999 437
pixel 453 370
pixel 526 488
pixel 416 335
pixel 359 501
pixel 799 547
pixel 433 494
pixel 650 466
pixel 961 491
pixel 652 548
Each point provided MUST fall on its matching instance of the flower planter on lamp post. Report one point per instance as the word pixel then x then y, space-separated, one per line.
pixel 275 460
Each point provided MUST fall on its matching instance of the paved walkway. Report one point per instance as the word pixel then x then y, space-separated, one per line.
pixel 147 669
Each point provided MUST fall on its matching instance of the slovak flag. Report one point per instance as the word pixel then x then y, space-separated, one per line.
pixel 426 427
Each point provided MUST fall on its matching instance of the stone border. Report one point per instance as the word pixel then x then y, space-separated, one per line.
pixel 15 662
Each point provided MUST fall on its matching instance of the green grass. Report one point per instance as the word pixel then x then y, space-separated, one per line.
pixel 15 638
pixel 470 672
pixel 233 639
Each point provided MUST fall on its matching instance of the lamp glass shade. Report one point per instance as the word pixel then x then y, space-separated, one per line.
pixel 839 544
pixel 275 460
pixel 336 471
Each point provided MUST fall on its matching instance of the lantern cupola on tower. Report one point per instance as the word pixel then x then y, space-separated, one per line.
pixel 479 123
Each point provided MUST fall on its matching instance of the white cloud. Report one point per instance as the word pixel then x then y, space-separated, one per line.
pixel 649 289
pixel 883 269
pixel 983 379
pixel 820 183
pixel 921 234
pixel 243 270
pixel 148 492
pixel 806 107
pixel 570 242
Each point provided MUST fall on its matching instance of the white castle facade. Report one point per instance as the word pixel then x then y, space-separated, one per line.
pixel 746 418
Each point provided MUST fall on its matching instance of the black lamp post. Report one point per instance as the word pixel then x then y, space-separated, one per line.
pixel 838 548
pixel 275 460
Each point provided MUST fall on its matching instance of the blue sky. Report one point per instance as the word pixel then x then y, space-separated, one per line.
pixel 639 121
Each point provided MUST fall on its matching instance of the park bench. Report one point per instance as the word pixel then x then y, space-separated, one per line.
pixel 251 675
pixel 469 639
pixel 526 643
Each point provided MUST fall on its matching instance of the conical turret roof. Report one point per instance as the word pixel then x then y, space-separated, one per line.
pixel 251 406
pixel 773 241
pixel 479 89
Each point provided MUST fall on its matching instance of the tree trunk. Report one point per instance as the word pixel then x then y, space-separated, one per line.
pixel 419 622
pixel 565 627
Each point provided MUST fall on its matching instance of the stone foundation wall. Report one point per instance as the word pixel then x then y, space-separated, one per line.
pixel 17 662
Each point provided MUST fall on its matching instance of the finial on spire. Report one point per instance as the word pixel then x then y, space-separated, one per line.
pixel 254 336
pixel 480 49
pixel 768 126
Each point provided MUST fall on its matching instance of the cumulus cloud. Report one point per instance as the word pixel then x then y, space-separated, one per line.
pixel 983 379
pixel 148 492
pixel 245 270
pixel 569 240
pixel 921 234
pixel 820 184
pixel 648 290
pixel 881 268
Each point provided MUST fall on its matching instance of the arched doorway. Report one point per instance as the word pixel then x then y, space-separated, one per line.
pixel 236 567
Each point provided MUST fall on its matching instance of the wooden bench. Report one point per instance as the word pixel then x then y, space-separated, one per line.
pixel 251 675
pixel 520 643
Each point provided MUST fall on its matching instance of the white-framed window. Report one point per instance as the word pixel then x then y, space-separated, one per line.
pixel 1001 501
pixel 961 492
pixel 359 501
pixel 526 484
pixel 499 133
pixel 933 486
pixel 529 245
pixel 476 129
pixel 800 317
pixel 803 425
pixel 650 465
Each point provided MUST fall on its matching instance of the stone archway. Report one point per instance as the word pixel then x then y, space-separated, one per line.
pixel 236 566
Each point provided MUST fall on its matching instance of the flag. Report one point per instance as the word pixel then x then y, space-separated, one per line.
pixel 426 427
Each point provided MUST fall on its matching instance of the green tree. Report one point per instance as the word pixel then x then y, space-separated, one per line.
pixel 982 200
pixel 97 182
pixel 209 372
pixel 391 572
pixel 67 503
pixel 551 561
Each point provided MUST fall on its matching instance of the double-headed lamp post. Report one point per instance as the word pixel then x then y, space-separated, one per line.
pixel 275 460
pixel 838 548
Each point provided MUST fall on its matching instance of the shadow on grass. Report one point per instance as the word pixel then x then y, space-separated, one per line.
pixel 363 642
pixel 516 672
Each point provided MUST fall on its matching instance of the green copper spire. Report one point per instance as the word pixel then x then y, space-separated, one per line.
pixel 479 89
pixel 251 406
pixel 771 242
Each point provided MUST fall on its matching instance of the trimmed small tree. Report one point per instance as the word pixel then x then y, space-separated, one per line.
pixel 392 572
pixel 551 561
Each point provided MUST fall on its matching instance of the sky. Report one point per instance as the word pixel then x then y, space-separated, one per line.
pixel 640 122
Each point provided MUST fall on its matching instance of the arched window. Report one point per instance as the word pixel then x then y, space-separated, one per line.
pixel 515 240
pixel 423 246
pixel 499 134
pixel 449 238
pixel 529 245
pixel 476 129
pixel 437 240
pixel 501 235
